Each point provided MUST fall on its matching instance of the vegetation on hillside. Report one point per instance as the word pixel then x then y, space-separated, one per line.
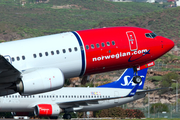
pixel 118 112
pixel 56 16
pixel 163 22
pixel 159 108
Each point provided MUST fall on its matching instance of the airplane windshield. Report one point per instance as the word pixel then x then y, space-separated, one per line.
pixel 150 35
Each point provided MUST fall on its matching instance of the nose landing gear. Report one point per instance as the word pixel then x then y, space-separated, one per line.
pixel 136 79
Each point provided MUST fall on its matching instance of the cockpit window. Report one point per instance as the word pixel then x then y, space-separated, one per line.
pixel 150 35
pixel 153 35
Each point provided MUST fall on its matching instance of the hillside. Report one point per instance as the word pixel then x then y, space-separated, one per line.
pixel 35 19
pixel 164 22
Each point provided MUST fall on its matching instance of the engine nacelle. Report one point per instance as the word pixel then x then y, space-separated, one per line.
pixel 47 110
pixel 40 80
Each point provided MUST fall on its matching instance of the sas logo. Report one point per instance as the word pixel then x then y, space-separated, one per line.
pixel 128 82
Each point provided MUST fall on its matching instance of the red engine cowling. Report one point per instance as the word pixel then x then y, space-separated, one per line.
pixel 47 110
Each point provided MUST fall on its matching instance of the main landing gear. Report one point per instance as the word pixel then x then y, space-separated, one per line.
pixel 136 79
pixel 66 116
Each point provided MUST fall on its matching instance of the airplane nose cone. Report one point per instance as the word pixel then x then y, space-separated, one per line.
pixel 167 44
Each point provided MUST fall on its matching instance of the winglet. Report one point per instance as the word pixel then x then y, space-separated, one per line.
pixel 133 91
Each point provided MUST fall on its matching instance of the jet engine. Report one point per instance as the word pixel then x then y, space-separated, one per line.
pixel 47 110
pixel 40 80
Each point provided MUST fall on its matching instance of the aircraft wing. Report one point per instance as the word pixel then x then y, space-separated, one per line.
pixel 95 100
pixel 8 74
pixel 83 102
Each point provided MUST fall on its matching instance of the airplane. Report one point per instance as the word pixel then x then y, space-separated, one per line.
pixel 41 64
pixel 78 99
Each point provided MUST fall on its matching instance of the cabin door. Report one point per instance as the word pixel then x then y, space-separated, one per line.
pixel 132 40
pixel 8 58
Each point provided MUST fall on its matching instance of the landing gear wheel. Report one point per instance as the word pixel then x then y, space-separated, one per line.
pixel 67 116
pixel 137 79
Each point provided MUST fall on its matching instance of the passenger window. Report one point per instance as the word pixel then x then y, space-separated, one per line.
pixel 52 52
pixel 108 44
pixel 75 48
pixel 92 46
pixel 82 48
pixel 34 55
pixel 40 54
pixel 103 45
pixel 57 51
pixel 23 57
pixel 113 43
pixel 64 51
pixel 97 45
pixel 13 59
pixel 87 47
pixel 18 58
pixel 70 50
pixel 46 53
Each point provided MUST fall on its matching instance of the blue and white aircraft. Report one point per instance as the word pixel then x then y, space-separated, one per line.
pixel 69 99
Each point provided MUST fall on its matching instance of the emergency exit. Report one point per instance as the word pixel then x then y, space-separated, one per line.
pixel 132 40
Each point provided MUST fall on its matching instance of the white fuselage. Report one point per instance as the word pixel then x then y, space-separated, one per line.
pixel 18 103
pixel 58 51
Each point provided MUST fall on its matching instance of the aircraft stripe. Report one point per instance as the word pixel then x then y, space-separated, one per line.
pixel 82 52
